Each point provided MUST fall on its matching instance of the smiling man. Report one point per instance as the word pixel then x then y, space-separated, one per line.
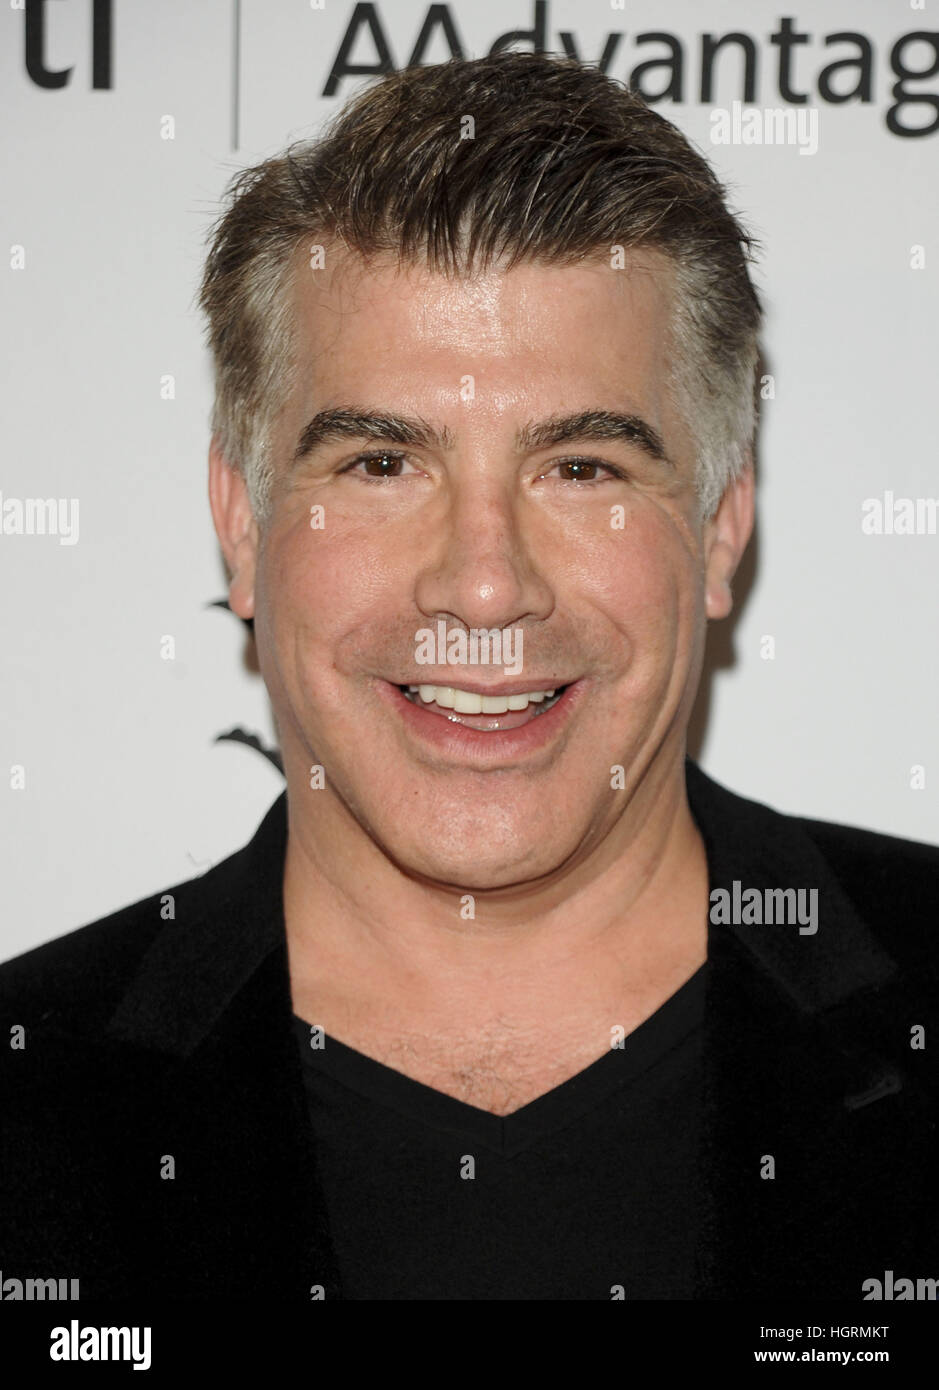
pixel 505 999
pixel 492 511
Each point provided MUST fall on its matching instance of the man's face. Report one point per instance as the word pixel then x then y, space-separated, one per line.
pixel 590 548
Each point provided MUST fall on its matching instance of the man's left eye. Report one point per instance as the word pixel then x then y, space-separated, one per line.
pixel 383 463
pixel 586 470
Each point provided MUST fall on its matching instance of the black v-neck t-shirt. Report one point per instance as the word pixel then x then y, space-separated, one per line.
pixel 585 1193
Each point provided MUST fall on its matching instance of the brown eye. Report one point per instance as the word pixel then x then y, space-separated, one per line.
pixel 586 470
pixel 579 470
pixel 375 467
pixel 381 465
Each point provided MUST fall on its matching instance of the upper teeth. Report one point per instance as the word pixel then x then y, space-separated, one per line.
pixel 467 702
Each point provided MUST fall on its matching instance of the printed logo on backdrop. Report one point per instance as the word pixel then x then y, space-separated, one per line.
pixel 38 22
pixel 803 66
pixel 793 64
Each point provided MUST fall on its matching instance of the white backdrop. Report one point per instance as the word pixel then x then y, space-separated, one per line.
pixel 114 783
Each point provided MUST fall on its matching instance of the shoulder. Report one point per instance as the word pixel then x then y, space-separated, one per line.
pixel 78 980
pixel 886 861
pixel 81 976
pixel 892 883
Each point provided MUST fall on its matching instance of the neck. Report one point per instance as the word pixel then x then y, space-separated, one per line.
pixel 625 928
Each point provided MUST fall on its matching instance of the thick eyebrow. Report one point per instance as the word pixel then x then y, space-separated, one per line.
pixel 350 422
pixel 603 425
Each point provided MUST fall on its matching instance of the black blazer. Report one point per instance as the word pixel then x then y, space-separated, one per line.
pixel 148 1037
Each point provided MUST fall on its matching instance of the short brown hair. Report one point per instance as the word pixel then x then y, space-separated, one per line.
pixel 563 163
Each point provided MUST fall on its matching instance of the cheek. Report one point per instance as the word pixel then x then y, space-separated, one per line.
pixel 299 588
pixel 317 578
pixel 642 576
pixel 330 604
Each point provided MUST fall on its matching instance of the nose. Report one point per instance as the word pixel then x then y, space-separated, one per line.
pixel 481 569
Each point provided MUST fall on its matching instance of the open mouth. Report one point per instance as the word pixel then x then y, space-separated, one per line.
pixel 486 713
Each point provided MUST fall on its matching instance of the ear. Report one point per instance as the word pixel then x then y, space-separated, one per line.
pixel 726 537
pixel 236 528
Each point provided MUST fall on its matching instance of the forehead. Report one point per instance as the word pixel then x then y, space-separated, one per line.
pixel 534 339
pixel 498 307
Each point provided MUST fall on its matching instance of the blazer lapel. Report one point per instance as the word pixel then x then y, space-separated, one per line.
pixel 217 1166
pixel 806 1087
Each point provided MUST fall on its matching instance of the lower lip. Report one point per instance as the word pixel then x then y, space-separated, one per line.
pixel 476 745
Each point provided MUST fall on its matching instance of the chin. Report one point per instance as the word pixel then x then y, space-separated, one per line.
pixel 486 857
pixel 481 870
